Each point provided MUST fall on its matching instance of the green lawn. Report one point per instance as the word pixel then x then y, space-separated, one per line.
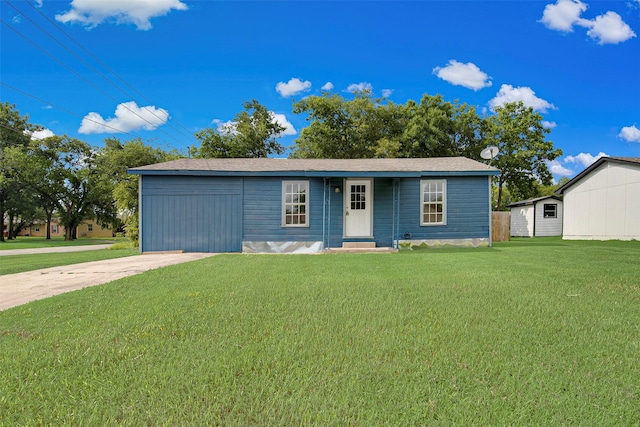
pixel 530 332
pixel 41 242
pixel 10 264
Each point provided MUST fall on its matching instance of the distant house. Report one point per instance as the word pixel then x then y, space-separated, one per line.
pixel 88 228
pixel 603 201
pixel 303 205
pixel 541 216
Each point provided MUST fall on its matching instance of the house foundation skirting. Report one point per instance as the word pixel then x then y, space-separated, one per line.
pixel 282 247
pixel 441 243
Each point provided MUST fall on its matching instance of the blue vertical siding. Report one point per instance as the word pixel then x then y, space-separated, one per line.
pixel 193 214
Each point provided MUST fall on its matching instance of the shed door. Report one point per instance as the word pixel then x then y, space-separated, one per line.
pixel 192 223
pixel 358 205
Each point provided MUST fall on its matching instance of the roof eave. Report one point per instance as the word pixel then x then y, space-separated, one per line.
pixel 320 174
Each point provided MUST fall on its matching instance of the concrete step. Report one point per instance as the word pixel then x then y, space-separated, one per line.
pixel 358 245
pixel 361 250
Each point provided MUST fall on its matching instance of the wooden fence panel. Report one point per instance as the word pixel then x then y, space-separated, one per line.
pixel 500 223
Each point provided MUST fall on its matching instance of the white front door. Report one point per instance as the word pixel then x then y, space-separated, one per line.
pixel 358 208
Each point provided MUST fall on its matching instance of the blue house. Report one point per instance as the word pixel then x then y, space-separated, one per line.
pixel 304 205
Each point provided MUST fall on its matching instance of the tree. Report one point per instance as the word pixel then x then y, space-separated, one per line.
pixel 437 128
pixel 363 127
pixel 524 152
pixel 253 133
pixel 15 135
pixel 112 163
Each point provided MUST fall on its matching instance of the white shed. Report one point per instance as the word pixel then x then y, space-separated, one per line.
pixel 603 201
pixel 541 216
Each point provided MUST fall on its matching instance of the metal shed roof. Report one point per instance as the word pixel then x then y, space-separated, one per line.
pixel 320 167
pixel 532 201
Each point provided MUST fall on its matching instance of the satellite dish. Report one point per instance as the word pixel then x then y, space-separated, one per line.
pixel 489 153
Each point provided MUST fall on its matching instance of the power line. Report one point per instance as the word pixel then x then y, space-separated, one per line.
pixel 72 70
pixel 67 111
pixel 189 134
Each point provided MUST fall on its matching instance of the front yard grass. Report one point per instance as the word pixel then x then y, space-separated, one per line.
pixel 530 332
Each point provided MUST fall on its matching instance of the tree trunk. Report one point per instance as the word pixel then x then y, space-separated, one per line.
pixel 499 202
pixel 10 234
pixel 68 233
pixel 2 217
pixel 49 215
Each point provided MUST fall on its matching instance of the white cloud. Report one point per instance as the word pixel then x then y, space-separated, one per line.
pixel 605 29
pixel 584 159
pixel 508 93
pixel 387 93
pixel 281 119
pixel 630 133
pixel 556 168
pixel 549 125
pixel 293 87
pixel 563 14
pixel 608 29
pixel 329 85
pixel 40 134
pixel 466 75
pixel 359 87
pixel 128 117
pixel 91 13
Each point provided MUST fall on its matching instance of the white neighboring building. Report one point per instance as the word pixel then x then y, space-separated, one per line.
pixel 541 216
pixel 603 201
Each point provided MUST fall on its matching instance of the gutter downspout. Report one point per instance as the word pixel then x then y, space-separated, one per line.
pixel 490 215
pixel 324 212
pixel 140 213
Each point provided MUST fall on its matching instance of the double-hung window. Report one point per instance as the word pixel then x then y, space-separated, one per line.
pixel 433 202
pixel 295 203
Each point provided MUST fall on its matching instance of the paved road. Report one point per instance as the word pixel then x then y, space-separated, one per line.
pixel 20 288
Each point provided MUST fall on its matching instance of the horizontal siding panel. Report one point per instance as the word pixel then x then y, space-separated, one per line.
pixel 467 209
pixel 263 210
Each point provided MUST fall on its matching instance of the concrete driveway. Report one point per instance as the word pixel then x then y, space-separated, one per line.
pixel 20 288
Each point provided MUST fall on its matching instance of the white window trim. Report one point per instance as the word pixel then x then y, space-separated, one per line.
pixel 444 202
pixel 283 204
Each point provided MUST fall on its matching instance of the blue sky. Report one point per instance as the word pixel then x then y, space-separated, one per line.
pixel 164 69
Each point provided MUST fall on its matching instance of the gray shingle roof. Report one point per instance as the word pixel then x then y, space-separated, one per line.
pixel 317 166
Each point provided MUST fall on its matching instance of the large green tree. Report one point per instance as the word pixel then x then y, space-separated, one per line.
pixel 437 128
pixel 15 136
pixel 253 133
pixel 62 172
pixel 518 132
pixel 363 127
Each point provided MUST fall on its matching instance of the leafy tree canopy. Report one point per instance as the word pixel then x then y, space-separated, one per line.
pixel 253 133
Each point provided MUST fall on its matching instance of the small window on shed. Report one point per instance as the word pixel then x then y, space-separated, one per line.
pixel 550 210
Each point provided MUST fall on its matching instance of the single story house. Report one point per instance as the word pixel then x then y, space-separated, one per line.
pixel 603 201
pixel 87 228
pixel 305 205
pixel 541 216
